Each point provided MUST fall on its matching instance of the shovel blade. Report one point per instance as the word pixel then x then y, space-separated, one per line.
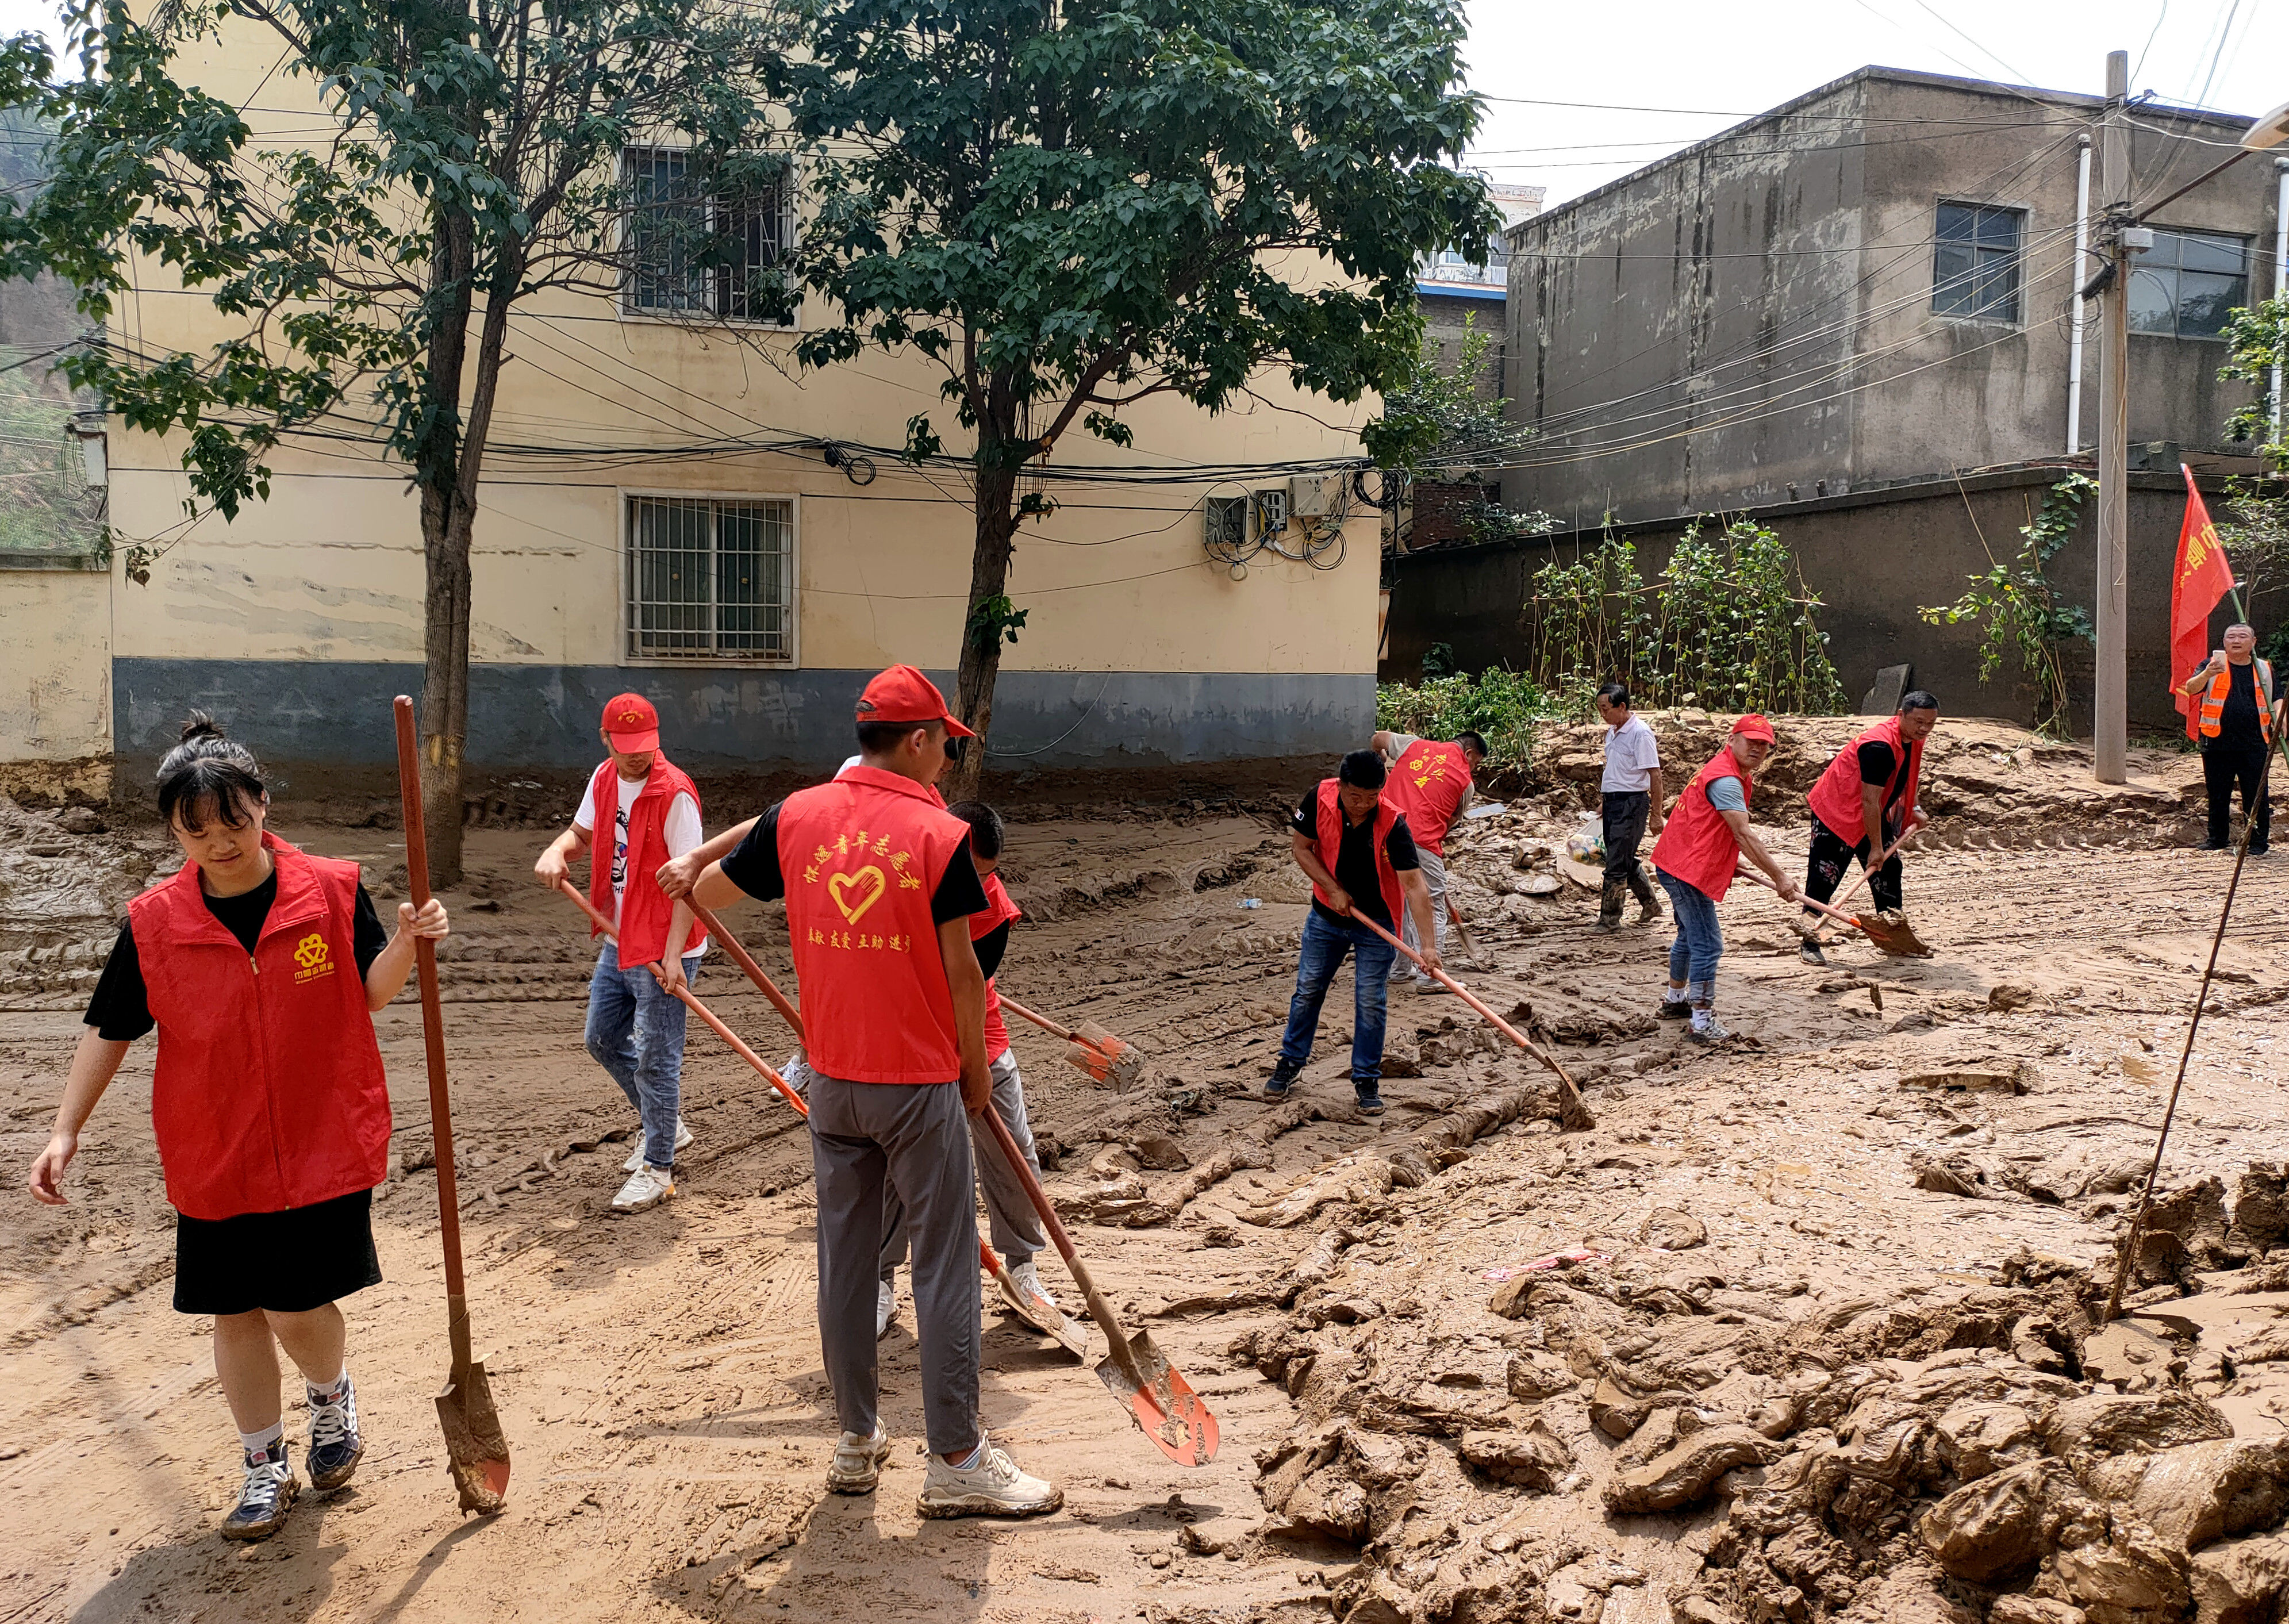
pixel 476 1451
pixel 1043 1317
pixel 1082 1057
pixel 1175 1418
pixel 1894 935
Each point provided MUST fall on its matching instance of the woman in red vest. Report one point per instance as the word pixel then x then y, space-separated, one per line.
pixel 1864 801
pixel 650 812
pixel 1700 847
pixel 268 1099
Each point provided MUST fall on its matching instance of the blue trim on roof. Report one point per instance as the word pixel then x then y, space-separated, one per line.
pixel 1457 290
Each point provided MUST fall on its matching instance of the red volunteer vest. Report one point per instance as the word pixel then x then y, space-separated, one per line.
pixel 1429 784
pixel 998 911
pixel 1835 798
pixel 1331 845
pixel 269 1092
pixel 644 907
pixel 1696 844
pixel 862 857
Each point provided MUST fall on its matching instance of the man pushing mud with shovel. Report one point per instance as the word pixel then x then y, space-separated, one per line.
pixel 1864 806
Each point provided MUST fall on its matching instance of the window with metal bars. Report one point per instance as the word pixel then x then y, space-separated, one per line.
pixel 711 578
pixel 701 248
pixel 1976 267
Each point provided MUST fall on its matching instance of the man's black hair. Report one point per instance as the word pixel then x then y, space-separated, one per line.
pixel 1615 693
pixel 1918 700
pixel 874 737
pixel 1363 769
pixel 1469 740
pixel 209 774
pixel 985 827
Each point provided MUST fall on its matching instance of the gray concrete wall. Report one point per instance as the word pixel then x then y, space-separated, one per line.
pixel 1873 559
pixel 1750 322
pixel 326 724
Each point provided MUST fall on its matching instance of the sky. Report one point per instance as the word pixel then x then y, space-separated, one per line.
pixel 1718 62
pixel 1723 60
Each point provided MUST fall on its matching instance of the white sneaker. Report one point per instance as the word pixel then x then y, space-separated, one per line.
pixel 857 1463
pixel 1022 1276
pixel 993 1487
pixel 647 1188
pixel 798 1073
pixel 265 1497
pixel 886 1304
pixel 635 1157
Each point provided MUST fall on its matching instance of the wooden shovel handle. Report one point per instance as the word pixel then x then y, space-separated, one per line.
pixel 1818 906
pixel 1099 1309
pixel 1869 871
pixel 1484 1014
pixel 433 1028
pixel 1043 1022
pixel 747 962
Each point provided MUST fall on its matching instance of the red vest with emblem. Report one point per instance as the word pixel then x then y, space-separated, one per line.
pixel 1835 798
pixel 1696 844
pixel 1429 784
pixel 862 857
pixel 644 907
pixel 998 911
pixel 268 1092
pixel 2212 711
pixel 1331 845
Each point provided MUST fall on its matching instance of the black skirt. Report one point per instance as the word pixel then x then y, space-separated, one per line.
pixel 288 1262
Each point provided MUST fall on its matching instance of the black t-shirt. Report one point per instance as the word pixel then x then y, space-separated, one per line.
pixel 2237 721
pixel 120 1008
pixel 990 947
pixel 753 866
pixel 1355 869
pixel 1876 762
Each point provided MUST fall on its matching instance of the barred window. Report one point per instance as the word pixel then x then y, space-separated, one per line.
pixel 2188 283
pixel 711 579
pixel 707 249
pixel 1975 268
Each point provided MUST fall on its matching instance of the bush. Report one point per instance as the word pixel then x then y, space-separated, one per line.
pixel 1503 706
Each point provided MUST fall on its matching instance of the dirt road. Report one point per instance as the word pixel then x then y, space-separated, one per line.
pixel 1351 1295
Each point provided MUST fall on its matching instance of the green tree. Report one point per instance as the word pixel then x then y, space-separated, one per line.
pixel 473 162
pixel 1438 421
pixel 2253 521
pixel 1073 205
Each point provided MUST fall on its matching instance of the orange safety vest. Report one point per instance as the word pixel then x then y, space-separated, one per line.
pixel 2220 685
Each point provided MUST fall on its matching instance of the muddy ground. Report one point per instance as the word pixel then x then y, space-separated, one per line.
pixel 1826 1347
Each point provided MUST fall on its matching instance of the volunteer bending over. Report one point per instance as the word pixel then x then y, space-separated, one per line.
pixel 268 1099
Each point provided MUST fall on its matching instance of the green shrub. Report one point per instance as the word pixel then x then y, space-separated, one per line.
pixel 1503 706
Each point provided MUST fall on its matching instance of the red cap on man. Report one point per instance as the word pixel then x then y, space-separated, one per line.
pixel 1755 727
pixel 631 724
pixel 904 694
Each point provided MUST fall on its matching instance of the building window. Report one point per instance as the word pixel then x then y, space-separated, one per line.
pixel 2186 285
pixel 711 579
pixel 707 250
pixel 1975 271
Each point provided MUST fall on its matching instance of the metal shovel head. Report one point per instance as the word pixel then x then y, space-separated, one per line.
pixel 476 1451
pixel 1891 932
pixel 1173 1416
pixel 1042 1315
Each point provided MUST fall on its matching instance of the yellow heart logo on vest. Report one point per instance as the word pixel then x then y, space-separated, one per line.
pixel 867 880
pixel 310 951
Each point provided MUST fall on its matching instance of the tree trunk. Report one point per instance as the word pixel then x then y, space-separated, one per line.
pixel 981 643
pixel 446 522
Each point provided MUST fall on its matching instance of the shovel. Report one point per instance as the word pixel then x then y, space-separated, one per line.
pixel 475 1451
pixel 1573 1116
pixel 745 961
pixel 1868 871
pixel 1134 1371
pixel 1092 1048
pixel 1462 929
pixel 1900 941
pixel 1035 1311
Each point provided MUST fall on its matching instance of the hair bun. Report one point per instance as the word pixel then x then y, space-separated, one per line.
pixel 200 725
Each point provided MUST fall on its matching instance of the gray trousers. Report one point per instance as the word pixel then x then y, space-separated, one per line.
pixel 1017 1227
pixel 867 1139
pixel 1434 876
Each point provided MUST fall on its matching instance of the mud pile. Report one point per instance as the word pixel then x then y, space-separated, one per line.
pixel 66 879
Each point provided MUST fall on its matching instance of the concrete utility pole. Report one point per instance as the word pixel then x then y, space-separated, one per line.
pixel 2110 707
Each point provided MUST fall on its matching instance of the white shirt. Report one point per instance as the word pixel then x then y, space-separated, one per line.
pixel 1632 757
pixel 680 829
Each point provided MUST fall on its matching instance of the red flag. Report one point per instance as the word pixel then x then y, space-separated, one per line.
pixel 2201 579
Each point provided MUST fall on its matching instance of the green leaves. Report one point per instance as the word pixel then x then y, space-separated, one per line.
pixel 2019 617
pixel 995 620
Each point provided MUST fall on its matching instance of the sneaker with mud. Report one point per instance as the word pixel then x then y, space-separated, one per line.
pixel 858 1464
pixel 1028 1280
pixel 993 1486
pixel 265 1497
pixel 1282 1079
pixel 1810 951
pixel 635 1157
pixel 335 1446
pixel 646 1187
pixel 1673 1009
pixel 1711 1033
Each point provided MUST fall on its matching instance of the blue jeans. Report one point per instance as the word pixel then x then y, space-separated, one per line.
pixel 1325 943
pixel 1693 956
pixel 636 1032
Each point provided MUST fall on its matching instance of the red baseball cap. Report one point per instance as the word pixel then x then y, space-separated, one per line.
pixel 903 694
pixel 631 724
pixel 1756 727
